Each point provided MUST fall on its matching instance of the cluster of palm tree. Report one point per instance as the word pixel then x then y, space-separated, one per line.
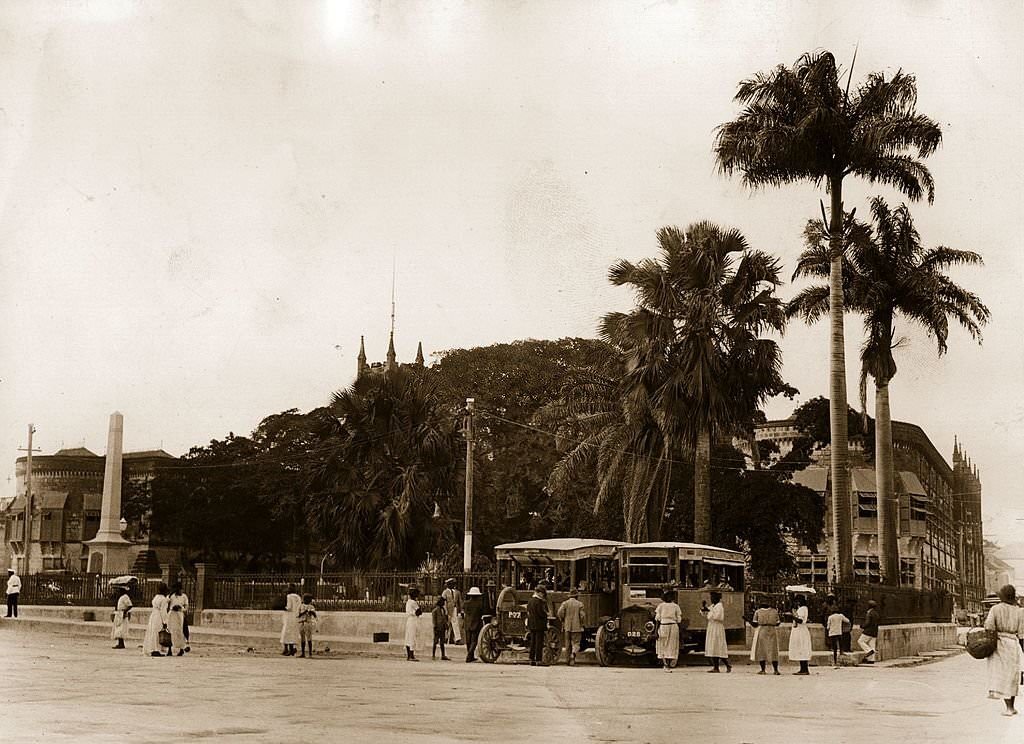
pixel 694 359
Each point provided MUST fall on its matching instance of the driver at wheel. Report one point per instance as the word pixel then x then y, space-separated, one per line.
pixel 537 624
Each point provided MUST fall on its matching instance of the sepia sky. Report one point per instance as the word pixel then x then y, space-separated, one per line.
pixel 201 203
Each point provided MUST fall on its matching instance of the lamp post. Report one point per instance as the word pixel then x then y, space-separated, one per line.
pixel 467 548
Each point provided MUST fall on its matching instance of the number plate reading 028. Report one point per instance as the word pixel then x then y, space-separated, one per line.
pixel 633 634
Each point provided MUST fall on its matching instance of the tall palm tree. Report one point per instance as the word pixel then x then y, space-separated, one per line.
pixel 394 455
pixel 888 273
pixel 799 124
pixel 705 301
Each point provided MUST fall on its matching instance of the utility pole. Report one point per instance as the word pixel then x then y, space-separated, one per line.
pixel 467 548
pixel 28 498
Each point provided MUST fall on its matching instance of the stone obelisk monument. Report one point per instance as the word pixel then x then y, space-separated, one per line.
pixel 108 551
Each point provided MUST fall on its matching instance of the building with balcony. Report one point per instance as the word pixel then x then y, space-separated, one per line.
pixel 939 532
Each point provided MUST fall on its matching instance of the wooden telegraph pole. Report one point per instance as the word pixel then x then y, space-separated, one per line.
pixel 467 547
pixel 27 537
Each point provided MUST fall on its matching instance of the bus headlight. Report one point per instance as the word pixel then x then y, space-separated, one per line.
pixel 649 627
pixel 611 626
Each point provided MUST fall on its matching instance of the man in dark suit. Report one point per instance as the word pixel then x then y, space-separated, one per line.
pixel 474 611
pixel 537 623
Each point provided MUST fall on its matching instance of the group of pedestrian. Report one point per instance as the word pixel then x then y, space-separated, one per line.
pixel 452 620
pixel 300 623
pixel 168 622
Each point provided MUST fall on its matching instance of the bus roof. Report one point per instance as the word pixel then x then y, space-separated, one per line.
pixel 561 544
pixel 681 546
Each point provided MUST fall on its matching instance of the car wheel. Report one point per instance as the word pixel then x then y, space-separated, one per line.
pixel 487 647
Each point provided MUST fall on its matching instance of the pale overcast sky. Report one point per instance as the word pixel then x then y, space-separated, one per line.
pixel 200 202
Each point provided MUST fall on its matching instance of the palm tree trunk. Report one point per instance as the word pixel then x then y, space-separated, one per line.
pixel 888 513
pixel 702 488
pixel 842 520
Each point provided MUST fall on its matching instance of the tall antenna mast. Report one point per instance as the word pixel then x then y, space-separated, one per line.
pixel 394 269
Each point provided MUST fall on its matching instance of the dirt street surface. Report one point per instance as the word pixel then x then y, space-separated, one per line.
pixel 72 689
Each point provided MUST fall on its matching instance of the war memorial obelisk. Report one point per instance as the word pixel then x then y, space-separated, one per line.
pixel 108 551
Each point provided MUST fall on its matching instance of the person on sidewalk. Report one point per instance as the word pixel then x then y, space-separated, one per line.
pixel 537 623
pixel 715 646
pixel 766 637
pixel 869 633
pixel 439 615
pixel 572 616
pixel 667 617
pixel 453 605
pixel 473 616
pixel 157 622
pixel 177 603
pixel 307 624
pixel 179 597
pixel 800 636
pixel 13 590
pixel 122 617
pixel 1004 663
pixel 834 625
pixel 412 616
pixel 290 626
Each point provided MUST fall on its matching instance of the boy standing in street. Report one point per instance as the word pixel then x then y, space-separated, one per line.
pixel 835 633
pixel 440 618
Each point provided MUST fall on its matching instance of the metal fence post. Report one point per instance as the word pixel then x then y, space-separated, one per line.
pixel 203 592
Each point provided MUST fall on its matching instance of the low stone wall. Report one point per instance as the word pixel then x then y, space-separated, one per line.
pixel 895 641
pixel 340 624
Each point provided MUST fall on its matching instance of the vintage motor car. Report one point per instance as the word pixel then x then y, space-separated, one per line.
pixel 692 570
pixel 588 565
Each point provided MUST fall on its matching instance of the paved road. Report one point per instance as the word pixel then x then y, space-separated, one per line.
pixel 71 689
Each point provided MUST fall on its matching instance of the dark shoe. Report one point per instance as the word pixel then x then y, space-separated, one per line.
pixel 181 652
pixel 302 656
pixel 801 673
pixel 762 672
pixel 188 649
pixel 285 652
pixel 714 671
pixel 155 653
pixel 445 658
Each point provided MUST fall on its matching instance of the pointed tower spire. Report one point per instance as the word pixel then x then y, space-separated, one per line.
pixel 956 449
pixel 361 359
pixel 419 354
pixel 391 360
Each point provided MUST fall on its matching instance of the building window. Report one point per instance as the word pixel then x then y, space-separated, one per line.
pixel 867 505
pixel 812 569
pixel 866 569
pixel 918 508
pixel 908 571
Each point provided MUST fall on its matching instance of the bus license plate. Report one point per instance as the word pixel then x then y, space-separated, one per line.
pixel 515 615
pixel 633 634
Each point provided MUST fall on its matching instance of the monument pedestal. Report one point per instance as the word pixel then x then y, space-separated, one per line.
pixel 109 554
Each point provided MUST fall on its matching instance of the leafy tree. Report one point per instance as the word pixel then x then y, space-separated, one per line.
pixel 799 124
pixel 888 273
pixel 510 383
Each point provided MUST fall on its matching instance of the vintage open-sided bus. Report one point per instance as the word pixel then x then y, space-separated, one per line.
pixel 693 570
pixel 589 565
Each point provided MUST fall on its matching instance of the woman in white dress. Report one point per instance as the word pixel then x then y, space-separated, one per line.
pixel 290 628
pixel 412 615
pixel 1004 663
pixel 157 622
pixel 122 617
pixel 715 646
pixel 667 617
pixel 177 603
pixel 800 637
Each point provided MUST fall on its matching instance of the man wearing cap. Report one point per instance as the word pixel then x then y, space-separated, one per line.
pixel 869 633
pixel 571 614
pixel 537 623
pixel 13 590
pixel 473 614
pixel 453 604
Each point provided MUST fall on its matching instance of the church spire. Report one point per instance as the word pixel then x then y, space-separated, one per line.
pixel 361 359
pixel 419 354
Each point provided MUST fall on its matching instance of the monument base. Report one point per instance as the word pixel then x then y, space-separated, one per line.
pixel 109 556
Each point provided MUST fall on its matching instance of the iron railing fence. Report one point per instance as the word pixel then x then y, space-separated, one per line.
pixel 91 589
pixel 355 590
pixel 895 605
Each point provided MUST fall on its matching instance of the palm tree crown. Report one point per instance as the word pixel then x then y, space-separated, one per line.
pixel 798 124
